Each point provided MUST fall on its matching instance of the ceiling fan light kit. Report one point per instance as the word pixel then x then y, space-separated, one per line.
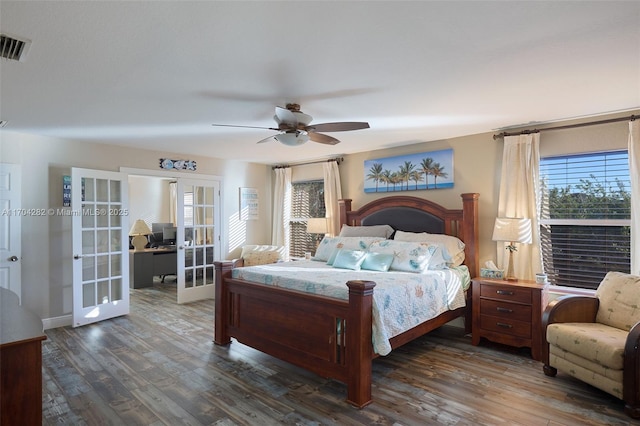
pixel 292 139
pixel 296 129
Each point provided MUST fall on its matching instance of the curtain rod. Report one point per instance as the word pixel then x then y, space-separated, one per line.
pixel 284 166
pixel 568 126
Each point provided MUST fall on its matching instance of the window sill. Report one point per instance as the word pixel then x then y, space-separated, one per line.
pixel 561 291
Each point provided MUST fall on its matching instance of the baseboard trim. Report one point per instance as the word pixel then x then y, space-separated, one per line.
pixel 63 321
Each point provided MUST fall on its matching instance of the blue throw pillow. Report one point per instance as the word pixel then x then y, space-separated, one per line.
pixel 349 259
pixel 377 262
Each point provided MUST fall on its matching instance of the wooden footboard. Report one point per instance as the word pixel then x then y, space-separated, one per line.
pixel 327 336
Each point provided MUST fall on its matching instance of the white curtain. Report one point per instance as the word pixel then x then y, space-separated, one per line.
pixel 332 193
pixel 634 172
pixel 282 210
pixel 520 197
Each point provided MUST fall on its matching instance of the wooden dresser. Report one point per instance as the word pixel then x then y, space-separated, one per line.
pixel 509 312
pixel 21 339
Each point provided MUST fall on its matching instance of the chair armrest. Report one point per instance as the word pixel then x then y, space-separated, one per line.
pixel 631 378
pixel 570 308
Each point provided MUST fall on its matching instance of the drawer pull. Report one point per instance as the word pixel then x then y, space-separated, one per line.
pixel 504 292
pixel 505 310
pixel 503 325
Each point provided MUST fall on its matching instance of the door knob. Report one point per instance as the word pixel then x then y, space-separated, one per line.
pixel 13 258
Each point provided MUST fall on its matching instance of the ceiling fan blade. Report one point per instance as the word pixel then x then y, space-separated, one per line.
pixel 339 127
pixel 269 139
pixel 325 139
pixel 245 127
pixel 283 115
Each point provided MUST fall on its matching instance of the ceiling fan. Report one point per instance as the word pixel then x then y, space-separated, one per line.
pixel 295 127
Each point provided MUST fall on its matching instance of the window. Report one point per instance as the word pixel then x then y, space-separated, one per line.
pixel 585 221
pixel 307 200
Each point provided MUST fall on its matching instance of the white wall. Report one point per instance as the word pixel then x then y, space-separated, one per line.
pixel 149 199
pixel 46 241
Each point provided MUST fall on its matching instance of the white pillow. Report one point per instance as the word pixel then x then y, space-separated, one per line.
pixel 329 244
pixel 407 256
pixel 453 247
pixel 383 231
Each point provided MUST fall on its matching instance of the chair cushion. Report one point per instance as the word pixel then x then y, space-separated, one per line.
pixel 619 296
pixel 598 343
pixel 603 378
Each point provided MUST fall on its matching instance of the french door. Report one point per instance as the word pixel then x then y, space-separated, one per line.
pixel 100 224
pixel 198 237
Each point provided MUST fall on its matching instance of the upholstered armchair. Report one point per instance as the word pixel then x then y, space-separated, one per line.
pixel 596 339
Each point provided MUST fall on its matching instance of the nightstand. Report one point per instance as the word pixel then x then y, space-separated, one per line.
pixel 509 312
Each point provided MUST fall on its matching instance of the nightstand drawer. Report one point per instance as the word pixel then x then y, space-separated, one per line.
pixel 505 310
pixel 505 326
pixel 506 292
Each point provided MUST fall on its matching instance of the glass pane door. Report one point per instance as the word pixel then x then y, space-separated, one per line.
pixel 100 245
pixel 198 204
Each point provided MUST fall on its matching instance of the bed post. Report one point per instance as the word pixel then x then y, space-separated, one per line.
pixel 221 321
pixel 358 341
pixel 470 232
pixel 345 206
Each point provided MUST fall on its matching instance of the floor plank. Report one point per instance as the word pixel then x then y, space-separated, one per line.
pixel 159 366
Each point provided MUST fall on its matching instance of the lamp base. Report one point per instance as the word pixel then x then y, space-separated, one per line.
pixel 139 242
pixel 509 275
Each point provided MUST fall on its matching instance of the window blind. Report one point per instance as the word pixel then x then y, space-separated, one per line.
pixel 585 217
pixel 307 200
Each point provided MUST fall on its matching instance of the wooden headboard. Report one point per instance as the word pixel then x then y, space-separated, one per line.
pixel 413 214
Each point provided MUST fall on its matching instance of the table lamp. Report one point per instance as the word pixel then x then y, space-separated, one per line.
pixel 512 230
pixel 317 225
pixel 139 232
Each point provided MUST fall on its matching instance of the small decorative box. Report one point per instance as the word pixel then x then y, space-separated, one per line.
pixel 491 273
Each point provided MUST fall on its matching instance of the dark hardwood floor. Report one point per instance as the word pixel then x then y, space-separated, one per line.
pixel 159 366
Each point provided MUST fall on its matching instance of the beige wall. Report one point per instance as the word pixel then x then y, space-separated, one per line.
pixel 478 162
pixel 46 241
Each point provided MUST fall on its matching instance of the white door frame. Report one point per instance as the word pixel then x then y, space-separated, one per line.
pixel 177 175
pixel 10 227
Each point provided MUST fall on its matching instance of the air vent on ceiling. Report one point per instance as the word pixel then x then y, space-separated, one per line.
pixel 13 48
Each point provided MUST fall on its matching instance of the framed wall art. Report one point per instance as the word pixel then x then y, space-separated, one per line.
pixel 411 172
pixel 248 204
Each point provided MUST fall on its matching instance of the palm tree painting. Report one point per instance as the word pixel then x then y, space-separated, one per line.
pixel 412 172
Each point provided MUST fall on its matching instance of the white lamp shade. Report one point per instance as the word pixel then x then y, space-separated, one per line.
pixel 512 229
pixel 140 227
pixel 317 225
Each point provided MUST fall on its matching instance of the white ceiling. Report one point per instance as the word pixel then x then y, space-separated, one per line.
pixel 157 74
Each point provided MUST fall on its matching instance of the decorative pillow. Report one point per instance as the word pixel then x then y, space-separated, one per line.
pixel 332 258
pixel 329 244
pixel 453 252
pixel 349 259
pixel 383 231
pixel 377 262
pixel 261 258
pixel 407 256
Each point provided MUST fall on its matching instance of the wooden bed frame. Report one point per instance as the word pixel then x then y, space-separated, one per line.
pixel 332 337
